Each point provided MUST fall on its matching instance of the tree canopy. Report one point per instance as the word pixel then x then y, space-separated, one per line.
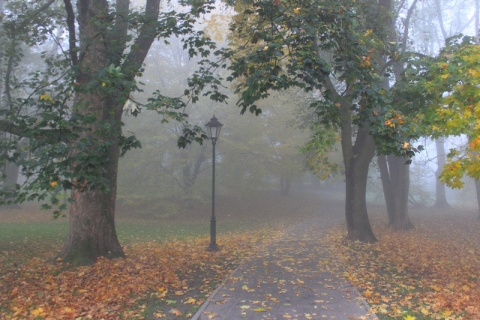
pixel 452 81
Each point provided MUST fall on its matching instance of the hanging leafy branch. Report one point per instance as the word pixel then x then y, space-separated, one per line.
pixel 452 83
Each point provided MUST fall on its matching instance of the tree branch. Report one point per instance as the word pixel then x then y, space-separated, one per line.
pixel 148 32
pixel 72 38
pixel 120 31
pixel 407 25
pixel 47 135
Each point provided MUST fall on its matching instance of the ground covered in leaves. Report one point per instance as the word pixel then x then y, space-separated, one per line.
pixel 430 272
pixel 155 280
pixel 167 273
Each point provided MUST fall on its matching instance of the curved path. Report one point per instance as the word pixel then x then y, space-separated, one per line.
pixel 289 279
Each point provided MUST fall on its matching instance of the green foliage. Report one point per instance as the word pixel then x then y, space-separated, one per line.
pixel 69 142
pixel 329 49
pixel 317 150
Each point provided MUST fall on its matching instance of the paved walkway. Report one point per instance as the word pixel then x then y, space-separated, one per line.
pixel 290 279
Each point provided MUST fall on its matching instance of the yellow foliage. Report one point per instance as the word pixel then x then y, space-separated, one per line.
pixel 46 97
pixel 389 123
pixel 457 110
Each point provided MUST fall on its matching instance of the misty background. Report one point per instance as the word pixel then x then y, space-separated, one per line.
pixel 258 154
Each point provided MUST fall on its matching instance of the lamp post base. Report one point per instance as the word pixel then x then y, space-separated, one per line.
pixel 213 248
pixel 213 234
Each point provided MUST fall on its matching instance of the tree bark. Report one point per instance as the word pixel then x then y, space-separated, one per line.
pixel 92 231
pixel 388 193
pixel 395 176
pixel 440 188
pixel 356 160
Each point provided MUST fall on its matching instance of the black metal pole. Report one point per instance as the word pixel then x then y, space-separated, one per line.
pixel 213 221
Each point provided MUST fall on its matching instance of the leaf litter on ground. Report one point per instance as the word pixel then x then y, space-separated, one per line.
pixel 430 272
pixel 117 288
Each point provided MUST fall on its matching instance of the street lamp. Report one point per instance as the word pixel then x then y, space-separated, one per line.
pixel 213 130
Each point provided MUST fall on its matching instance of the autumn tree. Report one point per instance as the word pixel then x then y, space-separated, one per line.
pixel 435 22
pixel 72 110
pixel 394 169
pixel 327 49
pixel 452 85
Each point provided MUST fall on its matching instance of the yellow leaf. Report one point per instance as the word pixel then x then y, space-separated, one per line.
pixel 53 184
pixel 190 301
pixel 46 97
pixel 259 310
pixel 367 294
pixel 425 311
pixel 160 315
pixel 447 313
pixel 296 10
pixel 38 312
pixel 409 317
pixel 176 312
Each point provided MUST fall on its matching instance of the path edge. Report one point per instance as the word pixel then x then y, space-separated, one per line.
pixel 198 314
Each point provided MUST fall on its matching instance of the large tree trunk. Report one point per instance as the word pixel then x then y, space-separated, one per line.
pixel 92 232
pixel 92 215
pixel 440 188
pixel 356 160
pixel 387 187
pixel 395 175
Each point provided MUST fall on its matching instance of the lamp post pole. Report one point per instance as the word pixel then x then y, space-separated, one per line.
pixel 213 220
pixel 213 130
